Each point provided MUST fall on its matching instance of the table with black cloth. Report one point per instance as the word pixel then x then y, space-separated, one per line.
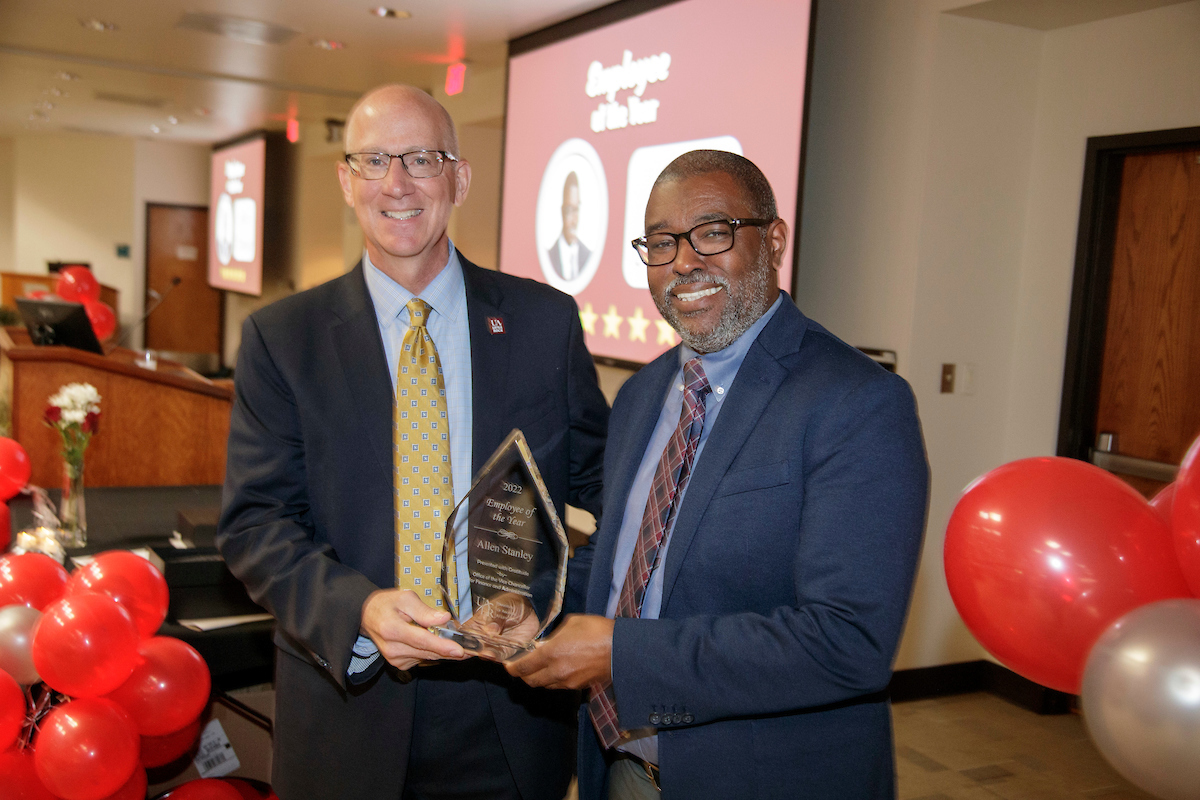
pixel 128 517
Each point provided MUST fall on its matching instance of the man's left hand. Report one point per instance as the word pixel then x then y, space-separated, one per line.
pixel 578 654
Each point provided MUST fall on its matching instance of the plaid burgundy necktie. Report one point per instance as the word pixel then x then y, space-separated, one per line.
pixel 674 468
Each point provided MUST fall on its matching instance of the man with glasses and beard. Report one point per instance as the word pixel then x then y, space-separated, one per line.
pixel 764 502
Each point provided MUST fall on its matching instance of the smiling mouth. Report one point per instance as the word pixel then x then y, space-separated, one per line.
pixel 402 214
pixel 689 297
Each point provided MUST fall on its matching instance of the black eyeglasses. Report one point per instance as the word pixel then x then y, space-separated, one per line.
pixel 707 239
pixel 418 163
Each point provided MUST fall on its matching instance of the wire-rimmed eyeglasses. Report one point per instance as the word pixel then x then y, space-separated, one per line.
pixel 417 163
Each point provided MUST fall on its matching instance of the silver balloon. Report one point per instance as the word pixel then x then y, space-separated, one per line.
pixel 1141 697
pixel 16 642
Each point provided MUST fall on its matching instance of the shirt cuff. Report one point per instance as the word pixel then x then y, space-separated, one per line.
pixel 365 654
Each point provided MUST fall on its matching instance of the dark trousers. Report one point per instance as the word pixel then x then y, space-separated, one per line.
pixel 455 751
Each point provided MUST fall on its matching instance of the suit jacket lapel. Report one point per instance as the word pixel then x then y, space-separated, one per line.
pixel 489 363
pixel 363 363
pixel 758 378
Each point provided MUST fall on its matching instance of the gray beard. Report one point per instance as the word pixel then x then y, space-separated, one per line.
pixel 742 308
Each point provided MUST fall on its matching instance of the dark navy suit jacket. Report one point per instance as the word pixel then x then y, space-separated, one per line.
pixel 307 521
pixel 787 579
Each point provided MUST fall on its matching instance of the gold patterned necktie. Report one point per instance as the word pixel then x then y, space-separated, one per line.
pixel 424 489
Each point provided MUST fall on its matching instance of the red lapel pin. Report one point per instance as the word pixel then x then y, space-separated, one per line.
pixel 495 325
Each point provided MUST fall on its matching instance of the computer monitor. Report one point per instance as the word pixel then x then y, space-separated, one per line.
pixel 57 322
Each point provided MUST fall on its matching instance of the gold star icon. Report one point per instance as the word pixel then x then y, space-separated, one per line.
pixel 588 318
pixel 637 325
pixel 666 334
pixel 612 323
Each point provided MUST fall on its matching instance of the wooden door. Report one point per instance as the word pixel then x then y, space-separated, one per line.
pixel 188 321
pixel 1149 398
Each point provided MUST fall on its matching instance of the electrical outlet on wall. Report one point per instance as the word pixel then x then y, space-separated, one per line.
pixel 948 378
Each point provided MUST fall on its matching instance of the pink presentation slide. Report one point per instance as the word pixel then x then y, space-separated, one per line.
pixel 592 120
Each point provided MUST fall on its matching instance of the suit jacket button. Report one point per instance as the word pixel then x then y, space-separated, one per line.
pixel 677 718
pixel 688 719
pixel 655 719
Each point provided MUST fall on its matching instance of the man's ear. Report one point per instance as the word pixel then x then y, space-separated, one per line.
pixel 777 239
pixel 343 171
pixel 462 182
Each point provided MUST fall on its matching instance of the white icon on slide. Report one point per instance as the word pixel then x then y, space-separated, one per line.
pixel 235 228
pixel 223 228
pixel 644 167
pixel 245 229
pixel 571 220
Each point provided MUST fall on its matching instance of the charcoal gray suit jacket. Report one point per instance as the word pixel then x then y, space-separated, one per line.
pixel 307 522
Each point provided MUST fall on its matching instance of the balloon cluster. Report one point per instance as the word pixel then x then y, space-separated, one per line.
pixel 104 696
pixel 15 469
pixel 1070 578
pixel 79 285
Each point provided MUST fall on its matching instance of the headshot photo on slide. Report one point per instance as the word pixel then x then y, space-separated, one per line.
pixel 572 216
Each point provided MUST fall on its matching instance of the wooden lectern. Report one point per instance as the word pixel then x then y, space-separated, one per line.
pixel 160 427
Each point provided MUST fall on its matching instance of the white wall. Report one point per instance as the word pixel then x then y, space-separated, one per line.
pixel 73 202
pixel 1125 75
pixel 941 202
pixel 7 193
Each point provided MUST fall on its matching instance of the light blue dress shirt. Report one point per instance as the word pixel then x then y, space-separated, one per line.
pixel 446 295
pixel 721 368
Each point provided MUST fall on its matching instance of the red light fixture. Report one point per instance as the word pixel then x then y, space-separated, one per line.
pixel 455 77
pixel 293 130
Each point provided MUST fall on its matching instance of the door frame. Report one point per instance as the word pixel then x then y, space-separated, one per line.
pixel 146 279
pixel 1094 245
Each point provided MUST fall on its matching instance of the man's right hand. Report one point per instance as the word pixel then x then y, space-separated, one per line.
pixel 397 621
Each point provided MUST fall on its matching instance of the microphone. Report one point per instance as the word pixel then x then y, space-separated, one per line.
pixel 158 301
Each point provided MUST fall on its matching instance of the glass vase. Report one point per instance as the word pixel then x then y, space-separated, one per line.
pixel 72 515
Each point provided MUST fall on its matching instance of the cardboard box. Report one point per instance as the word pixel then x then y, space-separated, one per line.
pixel 250 741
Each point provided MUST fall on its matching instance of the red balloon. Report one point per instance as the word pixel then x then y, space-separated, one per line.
pixel 129 579
pixel 134 788
pixel 1185 516
pixel 168 689
pixel 77 285
pixel 1163 502
pixel 15 467
pixel 31 579
pixel 1043 554
pixel 5 526
pixel 12 710
pixel 252 790
pixel 203 789
pixel 102 317
pixel 19 779
pixel 85 749
pixel 158 751
pixel 85 646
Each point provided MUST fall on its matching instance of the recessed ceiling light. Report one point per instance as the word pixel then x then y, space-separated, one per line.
pixel 252 31
pixel 44 105
pixel 68 76
pixel 174 120
pixel 390 13
pixel 155 129
pixel 54 91
pixel 93 24
pixel 327 44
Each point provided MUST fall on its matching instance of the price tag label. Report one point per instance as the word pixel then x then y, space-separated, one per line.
pixel 215 757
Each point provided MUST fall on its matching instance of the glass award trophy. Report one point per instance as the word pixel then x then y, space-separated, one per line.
pixel 508 559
